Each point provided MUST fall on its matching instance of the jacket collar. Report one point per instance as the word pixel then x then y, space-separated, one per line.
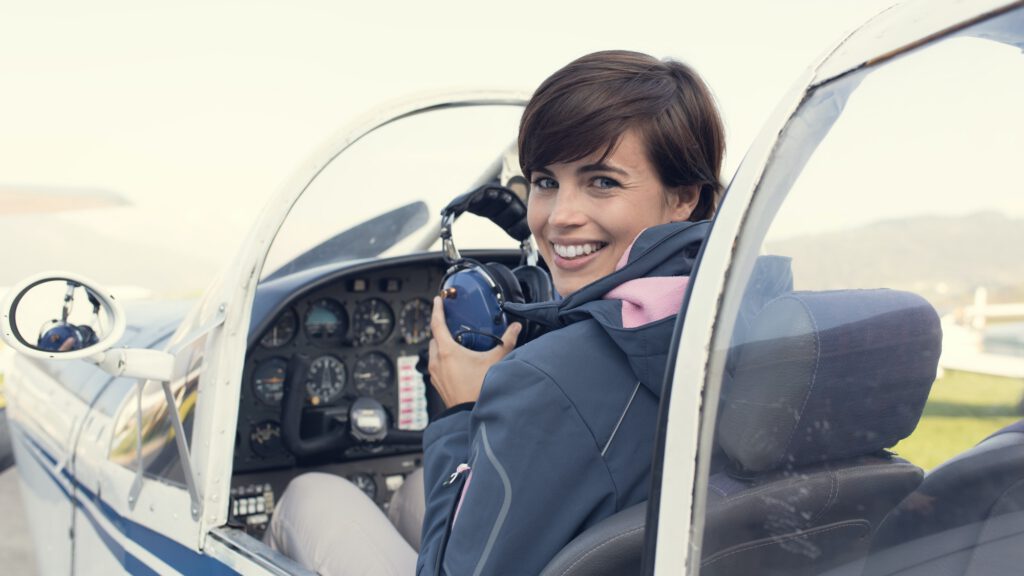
pixel 665 250
pixel 668 250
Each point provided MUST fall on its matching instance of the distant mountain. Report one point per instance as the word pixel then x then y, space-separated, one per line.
pixel 942 258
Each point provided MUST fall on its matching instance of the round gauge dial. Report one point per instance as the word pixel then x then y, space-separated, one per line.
pixel 326 321
pixel 365 483
pixel 268 380
pixel 282 331
pixel 372 322
pixel 373 373
pixel 414 321
pixel 265 438
pixel 326 379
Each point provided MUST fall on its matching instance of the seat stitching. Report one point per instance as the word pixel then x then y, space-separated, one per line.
pixel 603 544
pixel 770 487
pixel 779 539
pixel 752 492
pixel 833 491
pixel 719 490
pixel 814 376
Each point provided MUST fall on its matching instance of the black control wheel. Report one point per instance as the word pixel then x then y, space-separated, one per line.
pixel 367 421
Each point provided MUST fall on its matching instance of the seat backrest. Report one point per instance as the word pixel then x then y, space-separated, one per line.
pixel 966 517
pixel 612 546
pixel 823 383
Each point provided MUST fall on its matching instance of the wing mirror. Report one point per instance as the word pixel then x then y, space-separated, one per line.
pixel 64 316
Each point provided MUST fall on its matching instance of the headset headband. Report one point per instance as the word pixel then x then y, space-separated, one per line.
pixel 499 205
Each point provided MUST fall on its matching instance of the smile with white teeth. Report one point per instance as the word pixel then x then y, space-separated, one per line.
pixel 577 250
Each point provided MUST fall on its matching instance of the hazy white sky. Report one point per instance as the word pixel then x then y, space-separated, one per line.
pixel 197 111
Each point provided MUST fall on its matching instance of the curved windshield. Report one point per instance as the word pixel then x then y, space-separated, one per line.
pixel 383 195
pixel 867 366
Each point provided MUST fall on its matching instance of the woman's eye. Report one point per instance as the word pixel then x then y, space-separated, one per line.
pixel 605 182
pixel 545 183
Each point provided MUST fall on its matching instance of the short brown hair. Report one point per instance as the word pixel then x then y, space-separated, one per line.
pixel 587 106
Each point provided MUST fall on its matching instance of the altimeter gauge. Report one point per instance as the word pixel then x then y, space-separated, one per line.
pixel 372 322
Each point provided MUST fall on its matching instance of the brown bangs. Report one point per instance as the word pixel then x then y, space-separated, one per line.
pixel 585 107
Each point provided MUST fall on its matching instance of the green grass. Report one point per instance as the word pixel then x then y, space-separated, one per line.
pixel 962 410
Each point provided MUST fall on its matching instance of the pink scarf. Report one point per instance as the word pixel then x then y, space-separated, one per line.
pixel 647 300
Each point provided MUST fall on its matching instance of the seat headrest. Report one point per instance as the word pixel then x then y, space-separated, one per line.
pixel 829 375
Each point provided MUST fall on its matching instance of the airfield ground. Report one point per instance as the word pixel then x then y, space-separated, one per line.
pixel 16 555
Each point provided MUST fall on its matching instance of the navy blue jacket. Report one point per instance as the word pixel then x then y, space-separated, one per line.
pixel 562 434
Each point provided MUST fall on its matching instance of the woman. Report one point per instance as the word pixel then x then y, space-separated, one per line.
pixel 623 153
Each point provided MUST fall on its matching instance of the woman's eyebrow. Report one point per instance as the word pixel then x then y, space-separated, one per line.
pixel 601 167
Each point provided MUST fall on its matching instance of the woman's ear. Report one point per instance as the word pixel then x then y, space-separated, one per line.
pixel 682 201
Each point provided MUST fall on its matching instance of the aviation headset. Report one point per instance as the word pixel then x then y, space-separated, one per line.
pixel 474 293
pixel 55 333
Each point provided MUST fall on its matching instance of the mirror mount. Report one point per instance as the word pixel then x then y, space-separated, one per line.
pixel 136 363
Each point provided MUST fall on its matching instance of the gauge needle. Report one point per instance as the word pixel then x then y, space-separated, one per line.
pixel 325 379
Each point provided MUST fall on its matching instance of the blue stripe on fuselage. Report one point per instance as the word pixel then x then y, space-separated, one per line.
pixel 182 558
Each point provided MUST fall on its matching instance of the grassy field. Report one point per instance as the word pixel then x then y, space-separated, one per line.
pixel 962 410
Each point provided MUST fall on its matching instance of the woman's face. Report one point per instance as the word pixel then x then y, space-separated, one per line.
pixel 585 214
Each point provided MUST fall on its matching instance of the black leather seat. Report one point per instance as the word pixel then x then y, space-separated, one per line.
pixel 966 518
pixel 610 547
pixel 823 382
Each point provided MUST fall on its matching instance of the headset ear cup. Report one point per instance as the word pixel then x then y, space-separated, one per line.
pixel 513 292
pixel 506 281
pixel 535 283
pixel 89 336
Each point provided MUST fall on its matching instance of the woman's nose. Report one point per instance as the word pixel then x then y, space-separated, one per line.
pixel 568 209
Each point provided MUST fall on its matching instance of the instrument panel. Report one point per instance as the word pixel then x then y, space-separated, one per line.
pixel 363 333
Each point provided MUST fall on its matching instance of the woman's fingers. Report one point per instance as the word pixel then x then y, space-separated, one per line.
pixel 508 339
pixel 438 325
pixel 434 364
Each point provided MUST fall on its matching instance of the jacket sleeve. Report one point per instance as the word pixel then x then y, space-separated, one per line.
pixel 536 479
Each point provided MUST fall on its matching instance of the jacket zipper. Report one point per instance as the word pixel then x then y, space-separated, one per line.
pixel 457 477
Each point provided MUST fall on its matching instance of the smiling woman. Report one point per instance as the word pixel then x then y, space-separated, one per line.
pixel 624 153
pixel 600 178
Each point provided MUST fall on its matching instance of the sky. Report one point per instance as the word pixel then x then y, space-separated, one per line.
pixel 195 112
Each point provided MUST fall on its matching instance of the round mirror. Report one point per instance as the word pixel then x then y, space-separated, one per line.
pixel 61 315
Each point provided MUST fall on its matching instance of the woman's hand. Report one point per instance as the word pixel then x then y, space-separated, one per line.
pixel 458 372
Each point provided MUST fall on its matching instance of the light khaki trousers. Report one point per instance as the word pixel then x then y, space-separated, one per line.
pixel 326 524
